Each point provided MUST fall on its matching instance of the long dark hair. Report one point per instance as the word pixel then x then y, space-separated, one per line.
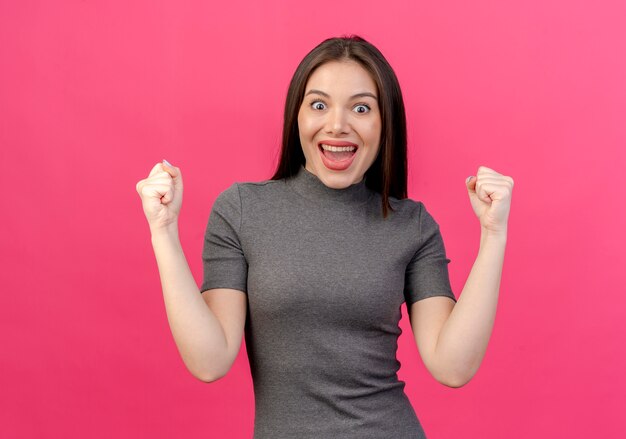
pixel 388 174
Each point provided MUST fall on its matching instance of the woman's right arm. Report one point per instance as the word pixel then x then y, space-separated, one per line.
pixel 208 327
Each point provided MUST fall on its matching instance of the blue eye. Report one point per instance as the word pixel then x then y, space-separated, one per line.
pixel 362 108
pixel 318 105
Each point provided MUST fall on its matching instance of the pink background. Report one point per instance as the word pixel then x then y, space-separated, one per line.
pixel 93 93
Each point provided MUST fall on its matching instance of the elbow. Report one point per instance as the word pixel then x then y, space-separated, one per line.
pixel 455 379
pixel 208 377
pixel 207 370
pixel 455 373
pixel 455 382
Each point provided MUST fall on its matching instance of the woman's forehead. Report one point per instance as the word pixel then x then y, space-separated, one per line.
pixel 341 77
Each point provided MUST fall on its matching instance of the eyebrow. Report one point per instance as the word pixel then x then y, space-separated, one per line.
pixel 358 95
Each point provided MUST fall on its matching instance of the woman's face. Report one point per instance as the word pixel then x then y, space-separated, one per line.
pixel 339 122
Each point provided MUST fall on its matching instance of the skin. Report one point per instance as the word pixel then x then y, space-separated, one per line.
pixel 452 338
pixel 340 103
pixel 207 328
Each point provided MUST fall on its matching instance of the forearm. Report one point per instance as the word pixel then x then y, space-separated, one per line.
pixel 196 330
pixel 463 339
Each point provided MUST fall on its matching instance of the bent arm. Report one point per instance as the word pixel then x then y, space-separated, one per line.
pixel 207 330
pixel 453 338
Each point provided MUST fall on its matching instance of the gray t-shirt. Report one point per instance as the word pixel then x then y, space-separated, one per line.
pixel 325 276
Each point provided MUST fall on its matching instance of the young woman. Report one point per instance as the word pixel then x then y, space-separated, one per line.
pixel 315 263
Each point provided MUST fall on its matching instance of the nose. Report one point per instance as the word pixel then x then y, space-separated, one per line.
pixel 337 122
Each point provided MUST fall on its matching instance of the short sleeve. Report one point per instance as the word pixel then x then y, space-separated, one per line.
pixel 427 272
pixel 224 262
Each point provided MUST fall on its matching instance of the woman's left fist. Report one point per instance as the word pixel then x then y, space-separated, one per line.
pixel 490 195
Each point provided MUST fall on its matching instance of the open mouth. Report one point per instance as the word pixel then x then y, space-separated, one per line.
pixel 337 153
pixel 337 156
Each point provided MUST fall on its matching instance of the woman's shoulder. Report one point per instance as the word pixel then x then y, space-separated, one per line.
pixel 412 211
pixel 252 190
pixel 259 188
pixel 406 206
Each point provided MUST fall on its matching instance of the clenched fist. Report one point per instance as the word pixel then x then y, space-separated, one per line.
pixel 161 195
pixel 490 195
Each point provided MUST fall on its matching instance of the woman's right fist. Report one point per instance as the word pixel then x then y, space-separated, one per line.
pixel 161 195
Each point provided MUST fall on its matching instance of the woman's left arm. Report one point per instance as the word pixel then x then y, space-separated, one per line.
pixel 453 338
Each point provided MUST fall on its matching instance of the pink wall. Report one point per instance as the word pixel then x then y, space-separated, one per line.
pixel 93 93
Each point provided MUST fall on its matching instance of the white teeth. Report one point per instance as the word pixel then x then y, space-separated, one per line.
pixel 338 148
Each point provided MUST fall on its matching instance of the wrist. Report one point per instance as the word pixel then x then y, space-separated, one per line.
pixel 167 232
pixel 499 236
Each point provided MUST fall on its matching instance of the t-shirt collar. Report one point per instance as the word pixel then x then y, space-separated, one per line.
pixel 311 187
